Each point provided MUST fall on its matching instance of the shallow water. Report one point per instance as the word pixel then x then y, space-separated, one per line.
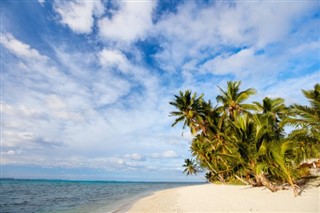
pixel 48 196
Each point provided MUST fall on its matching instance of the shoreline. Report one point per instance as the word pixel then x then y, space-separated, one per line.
pixel 226 198
pixel 128 205
pixel 131 201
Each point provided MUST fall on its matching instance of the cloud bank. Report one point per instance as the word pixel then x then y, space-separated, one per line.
pixel 94 95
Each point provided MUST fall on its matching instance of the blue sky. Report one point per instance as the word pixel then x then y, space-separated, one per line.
pixel 85 85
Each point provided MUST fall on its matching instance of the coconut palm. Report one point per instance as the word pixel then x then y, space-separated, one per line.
pixel 281 156
pixel 209 177
pixel 274 110
pixel 191 167
pixel 264 157
pixel 230 143
pixel 308 116
pixel 207 154
pixel 232 99
pixel 306 119
pixel 275 154
pixel 190 110
pixel 242 135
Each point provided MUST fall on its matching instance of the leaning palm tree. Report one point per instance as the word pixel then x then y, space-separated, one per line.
pixel 190 110
pixel 264 157
pixel 231 143
pixel 232 99
pixel 205 152
pixel 281 157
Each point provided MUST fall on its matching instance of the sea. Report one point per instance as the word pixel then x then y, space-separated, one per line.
pixel 66 196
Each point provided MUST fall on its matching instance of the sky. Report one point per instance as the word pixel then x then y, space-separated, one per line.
pixel 86 85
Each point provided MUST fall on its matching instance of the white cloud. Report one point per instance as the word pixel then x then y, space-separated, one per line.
pixel 131 22
pixel 204 32
pixel 79 15
pixel 304 47
pixel 239 62
pixel 290 89
pixel 101 86
pixel 50 100
pixel 21 49
pixel 135 156
pixel 169 154
pixel 67 112
pixel 55 102
pixel 113 59
pixel 11 152
pixel 272 22
pixel 108 109
pixel 109 90
pixel 42 2
pixel 165 154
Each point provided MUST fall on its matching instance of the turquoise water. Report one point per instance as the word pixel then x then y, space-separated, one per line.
pixel 48 196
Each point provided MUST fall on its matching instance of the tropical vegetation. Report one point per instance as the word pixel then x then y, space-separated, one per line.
pixel 260 143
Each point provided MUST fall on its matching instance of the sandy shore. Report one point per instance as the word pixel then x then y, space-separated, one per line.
pixel 226 198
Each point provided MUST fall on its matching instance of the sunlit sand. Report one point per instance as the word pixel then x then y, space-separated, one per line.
pixel 228 198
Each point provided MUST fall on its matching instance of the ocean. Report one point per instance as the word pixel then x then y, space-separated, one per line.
pixel 64 196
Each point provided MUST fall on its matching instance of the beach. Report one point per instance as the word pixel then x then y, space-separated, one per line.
pixel 228 198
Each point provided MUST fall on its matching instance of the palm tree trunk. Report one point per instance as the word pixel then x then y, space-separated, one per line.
pixel 243 181
pixel 265 182
pixel 221 179
pixel 293 186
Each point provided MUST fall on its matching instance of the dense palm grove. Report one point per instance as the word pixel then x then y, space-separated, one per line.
pixel 238 142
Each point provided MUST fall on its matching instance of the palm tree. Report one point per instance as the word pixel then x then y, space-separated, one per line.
pixel 280 157
pixel 191 167
pixel 306 119
pixel 190 110
pixel 233 99
pixel 274 110
pixel 231 143
pixel 242 134
pixel 262 153
pixel 209 177
pixel 309 116
pixel 205 153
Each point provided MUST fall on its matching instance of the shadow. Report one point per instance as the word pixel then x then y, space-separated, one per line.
pixel 308 183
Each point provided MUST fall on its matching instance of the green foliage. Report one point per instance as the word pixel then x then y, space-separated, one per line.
pixel 239 142
pixel 306 119
pixel 190 167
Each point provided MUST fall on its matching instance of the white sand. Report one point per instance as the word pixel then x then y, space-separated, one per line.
pixel 227 198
